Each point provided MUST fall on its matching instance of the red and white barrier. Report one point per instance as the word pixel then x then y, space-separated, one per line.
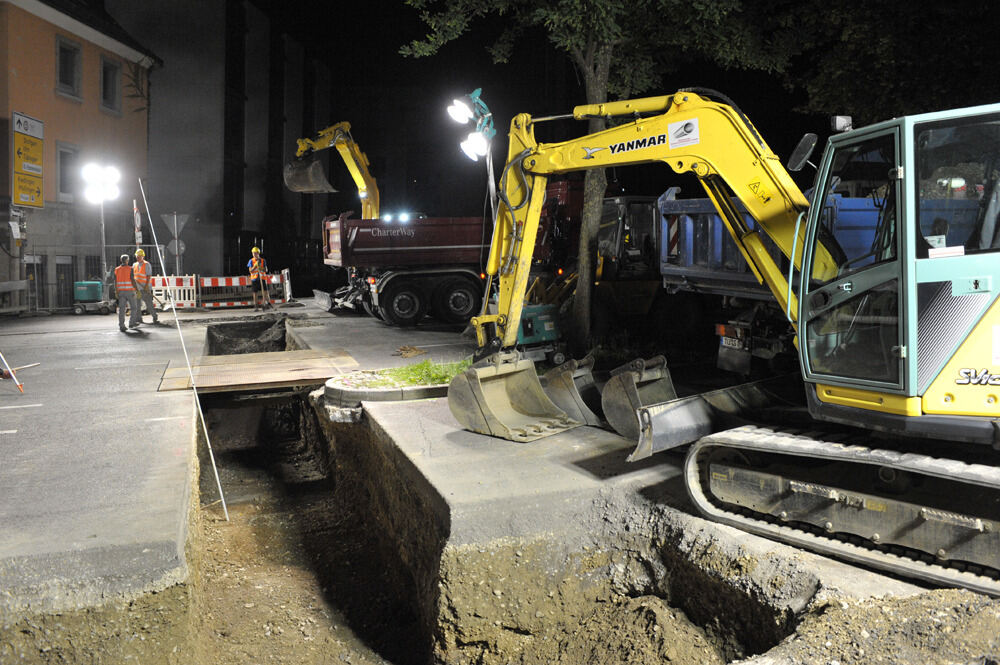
pixel 219 292
pixel 181 291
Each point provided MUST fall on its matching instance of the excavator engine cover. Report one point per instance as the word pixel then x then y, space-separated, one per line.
pixel 305 175
pixel 632 386
pixel 572 388
pixel 501 396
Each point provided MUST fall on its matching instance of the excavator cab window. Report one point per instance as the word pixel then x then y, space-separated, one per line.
pixel 852 304
pixel 958 162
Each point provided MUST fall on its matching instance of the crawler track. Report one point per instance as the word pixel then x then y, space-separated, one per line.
pixel 947 534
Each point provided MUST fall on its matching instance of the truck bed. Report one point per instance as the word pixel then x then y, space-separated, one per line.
pixel 431 241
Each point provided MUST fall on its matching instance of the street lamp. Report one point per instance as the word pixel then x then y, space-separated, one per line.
pixel 101 185
pixel 472 107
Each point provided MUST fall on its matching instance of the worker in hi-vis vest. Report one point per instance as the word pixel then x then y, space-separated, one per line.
pixel 125 291
pixel 142 270
pixel 258 279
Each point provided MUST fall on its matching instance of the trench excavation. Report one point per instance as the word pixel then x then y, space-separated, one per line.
pixel 327 502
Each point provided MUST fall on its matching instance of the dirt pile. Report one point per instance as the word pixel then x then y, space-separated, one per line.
pixel 945 626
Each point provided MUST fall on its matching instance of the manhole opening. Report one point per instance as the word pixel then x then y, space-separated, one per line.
pixel 340 508
pixel 262 336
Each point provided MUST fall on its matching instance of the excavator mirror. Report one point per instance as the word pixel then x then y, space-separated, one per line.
pixel 305 175
pixel 800 156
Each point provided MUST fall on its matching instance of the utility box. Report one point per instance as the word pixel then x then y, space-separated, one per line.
pixel 86 291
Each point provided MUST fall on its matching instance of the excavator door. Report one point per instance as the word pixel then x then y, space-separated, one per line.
pixel 852 293
pixel 305 175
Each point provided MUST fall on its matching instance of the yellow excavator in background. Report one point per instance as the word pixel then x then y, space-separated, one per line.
pixel 897 320
pixel 305 174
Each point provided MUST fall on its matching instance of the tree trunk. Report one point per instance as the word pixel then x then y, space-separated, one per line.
pixel 595 74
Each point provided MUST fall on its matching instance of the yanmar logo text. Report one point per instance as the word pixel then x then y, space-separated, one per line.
pixel 972 377
pixel 638 144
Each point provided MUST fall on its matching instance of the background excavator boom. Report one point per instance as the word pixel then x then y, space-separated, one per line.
pixel 305 173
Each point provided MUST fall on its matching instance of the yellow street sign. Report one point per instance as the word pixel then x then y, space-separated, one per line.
pixel 27 190
pixel 27 154
pixel 26 159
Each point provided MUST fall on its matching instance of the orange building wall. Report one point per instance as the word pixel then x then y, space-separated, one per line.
pixel 29 52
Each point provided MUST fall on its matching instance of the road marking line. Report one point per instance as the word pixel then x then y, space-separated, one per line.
pixel 122 366
pixel 155 420
pixel 20 406
pixel 8 431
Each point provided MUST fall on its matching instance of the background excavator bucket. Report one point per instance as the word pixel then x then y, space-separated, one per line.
pixel 305 175
pixel 634 385
pixel 502 396
pixel 572 388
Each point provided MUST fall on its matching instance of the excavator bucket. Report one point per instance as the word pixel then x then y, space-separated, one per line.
pixel 632 386
pixel 572 388
pixel 681 421
pixel 306 175
pixel 502 396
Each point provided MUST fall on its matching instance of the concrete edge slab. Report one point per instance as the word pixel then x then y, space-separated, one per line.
pixel 101 575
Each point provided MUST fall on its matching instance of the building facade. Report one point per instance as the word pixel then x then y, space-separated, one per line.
pixel 82 82
pixel 233 95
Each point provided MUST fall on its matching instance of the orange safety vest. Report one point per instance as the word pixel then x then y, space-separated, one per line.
pixel 123 279
pixel 257 266
pixel 141 271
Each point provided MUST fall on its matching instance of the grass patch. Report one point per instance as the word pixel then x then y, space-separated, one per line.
pixel 424 373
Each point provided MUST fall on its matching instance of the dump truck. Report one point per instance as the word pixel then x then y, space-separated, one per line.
pixel 889 458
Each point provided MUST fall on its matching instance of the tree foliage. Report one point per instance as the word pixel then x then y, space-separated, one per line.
pixel 884 59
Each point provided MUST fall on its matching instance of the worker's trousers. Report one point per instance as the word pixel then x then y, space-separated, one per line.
pixel 147 298
pixel 127 299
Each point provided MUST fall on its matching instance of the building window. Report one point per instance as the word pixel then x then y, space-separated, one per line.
pixel 68 63
pixel 69 171
pixel 111 85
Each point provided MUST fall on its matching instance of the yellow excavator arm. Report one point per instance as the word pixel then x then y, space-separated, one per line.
pixel 306 179
pixel 690 133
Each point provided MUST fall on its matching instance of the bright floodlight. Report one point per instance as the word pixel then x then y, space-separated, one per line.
pixel 475 146
pixel 101 183
pixel 460 111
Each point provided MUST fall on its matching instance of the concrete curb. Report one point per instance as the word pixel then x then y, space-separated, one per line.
pixel 342 396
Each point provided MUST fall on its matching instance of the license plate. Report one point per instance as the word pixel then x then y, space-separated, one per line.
pixel 731 342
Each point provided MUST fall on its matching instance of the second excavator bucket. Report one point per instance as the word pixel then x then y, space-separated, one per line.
pixel 501 396
pixel 572 388
pixel 305 175
pixel 634 385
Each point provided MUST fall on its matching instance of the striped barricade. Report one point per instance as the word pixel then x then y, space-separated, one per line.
pixel 237 292
pixel 182 291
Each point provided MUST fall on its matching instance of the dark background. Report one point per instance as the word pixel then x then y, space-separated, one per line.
pixel 396 105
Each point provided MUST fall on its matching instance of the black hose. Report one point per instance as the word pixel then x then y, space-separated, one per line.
pixel 718 96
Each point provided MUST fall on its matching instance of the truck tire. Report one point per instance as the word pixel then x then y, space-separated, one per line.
pixel 78 309
pixel 402 303
pixel 370 309
pixel 457 300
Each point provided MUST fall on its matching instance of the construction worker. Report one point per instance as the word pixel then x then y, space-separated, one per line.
pixel 258 278
pixel 142 271
pixel 125 289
